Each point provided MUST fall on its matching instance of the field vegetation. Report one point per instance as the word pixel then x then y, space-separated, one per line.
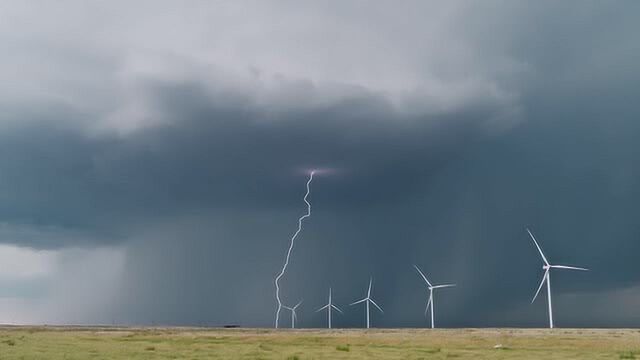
pixel 54 343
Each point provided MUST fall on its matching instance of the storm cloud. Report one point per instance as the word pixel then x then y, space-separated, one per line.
pixel 152 161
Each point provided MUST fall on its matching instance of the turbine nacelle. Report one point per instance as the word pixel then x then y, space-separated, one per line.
pixel 565 267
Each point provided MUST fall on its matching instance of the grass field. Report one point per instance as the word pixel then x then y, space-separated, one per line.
pixel 191 343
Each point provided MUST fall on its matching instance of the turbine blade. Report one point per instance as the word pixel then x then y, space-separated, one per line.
pixel 422 274
pixel 370 283
pixel 538 246
pixel 322 308
pixel 359 301
pixel 376 305
pixel 544 278
pixel 298 304
pixel 568 267
pixel 443 286
pixel 426 310
pixel 335 307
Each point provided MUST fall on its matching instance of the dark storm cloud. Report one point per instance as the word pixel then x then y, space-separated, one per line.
pixel 203 190
pixel 218 156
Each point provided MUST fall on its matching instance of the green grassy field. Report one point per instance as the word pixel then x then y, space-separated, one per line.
pixel 190 343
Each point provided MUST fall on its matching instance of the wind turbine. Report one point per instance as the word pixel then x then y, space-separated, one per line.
pixel 546 277
pixel 329 306
pixel 368 300
pixel 431 287
pixel 293 313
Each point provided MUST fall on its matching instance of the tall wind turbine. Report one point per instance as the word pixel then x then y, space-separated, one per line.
pixel 431 288
pixel 293 313
pixel 329 306
pixel 368 300
pixel 547 277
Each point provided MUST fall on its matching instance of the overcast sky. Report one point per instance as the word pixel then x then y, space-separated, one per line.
pixel 153 158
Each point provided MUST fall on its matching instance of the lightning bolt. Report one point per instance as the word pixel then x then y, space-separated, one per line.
pixel 293 239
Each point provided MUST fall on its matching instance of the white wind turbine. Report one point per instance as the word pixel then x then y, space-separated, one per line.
pixel 329 306
pixel 546 277
pixel 431 287
pixel 368 300
pixel 293 313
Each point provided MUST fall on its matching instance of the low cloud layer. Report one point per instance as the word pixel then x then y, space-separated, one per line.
pixel 169 146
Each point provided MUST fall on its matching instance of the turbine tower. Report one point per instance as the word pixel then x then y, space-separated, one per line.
pixel 329 306
pixel 368 300
pixel 431 288
pixel 293 313
pixel 547 277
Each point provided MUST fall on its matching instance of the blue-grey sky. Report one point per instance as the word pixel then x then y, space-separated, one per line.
pixel 152 160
